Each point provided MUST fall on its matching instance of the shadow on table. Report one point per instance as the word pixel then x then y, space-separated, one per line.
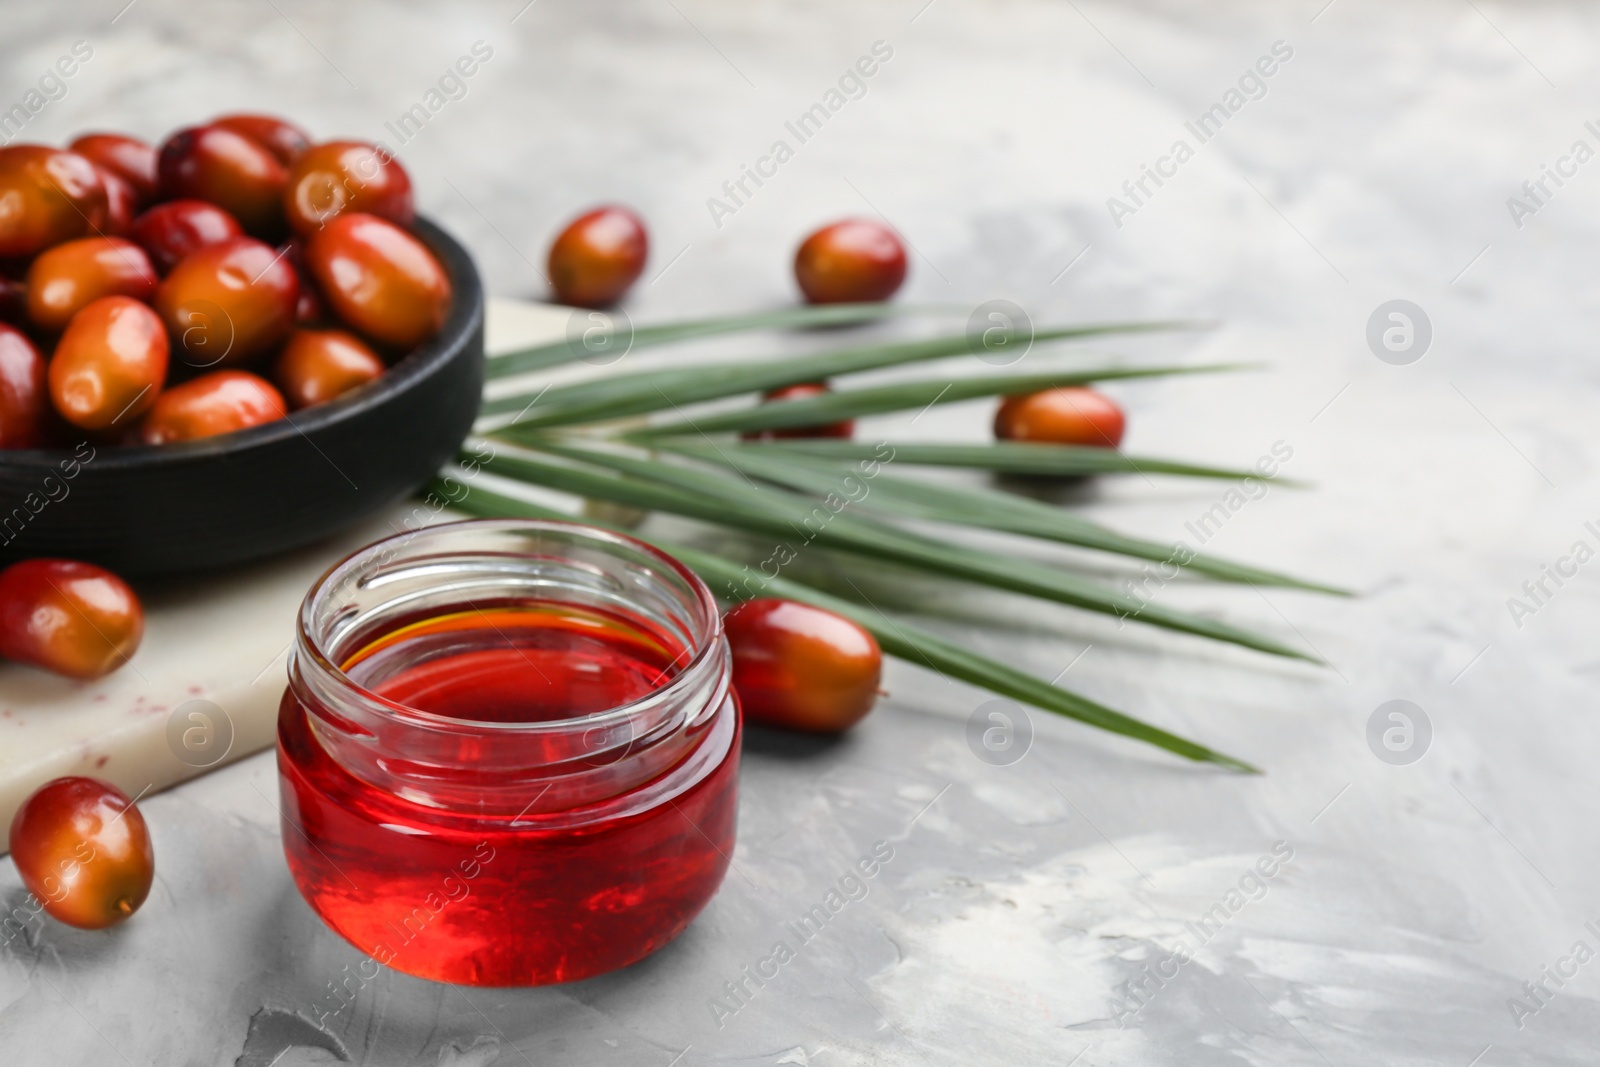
pixel 785 744
pixel 26 932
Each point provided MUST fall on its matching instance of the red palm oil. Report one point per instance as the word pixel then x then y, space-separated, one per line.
pixel 509 752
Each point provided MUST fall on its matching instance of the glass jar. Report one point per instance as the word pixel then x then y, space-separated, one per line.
pixel 508 753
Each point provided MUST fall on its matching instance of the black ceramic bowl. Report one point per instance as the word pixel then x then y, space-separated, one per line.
pixel 147 509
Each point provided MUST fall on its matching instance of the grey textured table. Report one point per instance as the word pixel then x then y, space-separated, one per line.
pixel 1408 904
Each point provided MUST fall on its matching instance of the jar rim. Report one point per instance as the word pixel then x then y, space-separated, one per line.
pixel 706 642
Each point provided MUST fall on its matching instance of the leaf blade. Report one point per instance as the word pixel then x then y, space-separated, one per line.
pixel 967 506
pixel 785 514
pixel 555 353
pixel 901 396
pixel 640 392
pixel 1013 457
pixel 900 639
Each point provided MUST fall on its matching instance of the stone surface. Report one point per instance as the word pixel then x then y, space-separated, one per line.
pixel 1376 166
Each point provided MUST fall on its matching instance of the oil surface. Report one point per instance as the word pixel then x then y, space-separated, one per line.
pixel 517 663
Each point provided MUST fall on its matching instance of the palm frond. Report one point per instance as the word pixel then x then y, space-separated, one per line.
pixel 902 396
pixel 639 392
pixel 1011 457
pixel 589 439
pixel 555 353
pixel 898 638
pixel 705 495
pixel 1006 512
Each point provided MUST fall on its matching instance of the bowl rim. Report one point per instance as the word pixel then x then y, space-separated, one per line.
pixel 464 318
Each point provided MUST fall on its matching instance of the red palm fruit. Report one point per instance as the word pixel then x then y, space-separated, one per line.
pixel 283 139
pixel 800 667
pixel 1071 415
pixel 379 279
pixel 129 159
pixel 24 393
pixel 229 170
pixel 852 261
pixel 340 177
pixel 229 303
pixel 68 617
pixel 220 402
pixel 84 851
pixel 47 196
pixel 68 277
pixel 318 365
pixel 109 364
pixel 169 232
pixel 598 257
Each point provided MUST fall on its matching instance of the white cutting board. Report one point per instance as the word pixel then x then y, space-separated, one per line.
pixel 217 643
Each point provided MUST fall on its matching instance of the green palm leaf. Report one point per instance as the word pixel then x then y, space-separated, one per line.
pixel 1007 512
pixel 541 357
pixel 851 403
pixel 900 639
pixel 639 392
pixel 781 488
pixel 703 495
pixel 1009 457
